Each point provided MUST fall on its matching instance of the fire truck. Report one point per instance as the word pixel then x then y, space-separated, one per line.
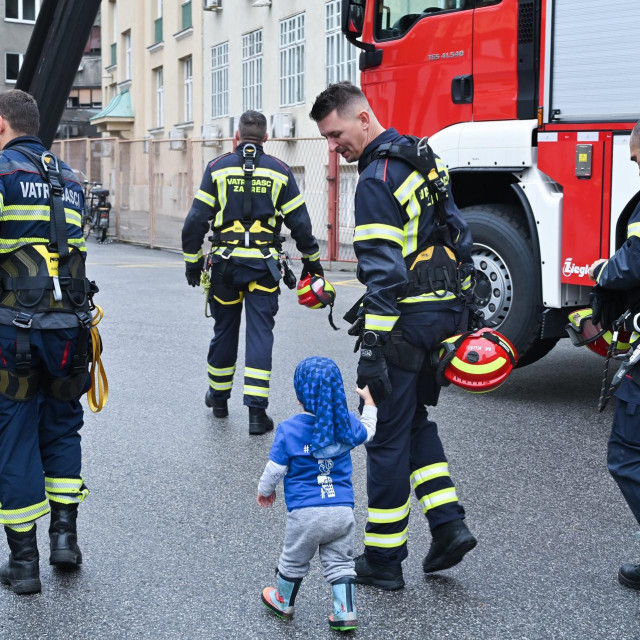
pixel 530 103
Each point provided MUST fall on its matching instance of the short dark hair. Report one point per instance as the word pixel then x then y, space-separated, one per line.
pixel 635 135
pixel 340 96
pixel 253 126
pixel 21 111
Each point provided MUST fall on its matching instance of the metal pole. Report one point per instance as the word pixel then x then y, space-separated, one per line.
pixel 332 223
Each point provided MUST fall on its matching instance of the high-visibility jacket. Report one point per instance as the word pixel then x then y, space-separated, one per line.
pixel 395 217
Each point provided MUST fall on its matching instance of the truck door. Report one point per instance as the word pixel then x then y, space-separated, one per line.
pixel 424 83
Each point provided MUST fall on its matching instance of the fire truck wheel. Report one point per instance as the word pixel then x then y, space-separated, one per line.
pixel 506 288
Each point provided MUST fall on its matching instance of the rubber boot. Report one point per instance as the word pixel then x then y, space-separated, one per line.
pixel 451 541
pixel 220 409
pixel 344 616
pixel 383 576
pixel 22 571
pixel 280 600
pixel 63 536
pixel 259 421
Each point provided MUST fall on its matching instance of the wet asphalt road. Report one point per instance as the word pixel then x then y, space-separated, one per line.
pixel 176 548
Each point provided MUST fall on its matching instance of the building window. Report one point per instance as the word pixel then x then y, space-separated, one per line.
pixel 252 70
pixel 220 80
pixel 342 56
pixel 292 60
pixel 127 55
pixel 12 64
pixel 187 21
pixel 188 89
pixel 159 97
pixel 21 10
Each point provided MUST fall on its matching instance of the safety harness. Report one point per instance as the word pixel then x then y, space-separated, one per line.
pixel 249 232
pixel 64 289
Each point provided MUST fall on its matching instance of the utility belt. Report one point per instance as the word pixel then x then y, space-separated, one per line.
pixel 432 270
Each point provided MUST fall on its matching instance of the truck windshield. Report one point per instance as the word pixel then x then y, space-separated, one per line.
pixel 395 17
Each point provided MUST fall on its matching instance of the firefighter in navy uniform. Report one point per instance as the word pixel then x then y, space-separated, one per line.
pixel 412 302
pixel 44 337
pixel 618 289
pixel 243 199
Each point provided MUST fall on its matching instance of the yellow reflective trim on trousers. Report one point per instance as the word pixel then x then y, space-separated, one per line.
pixel 192 257
pixel 390 515
pixel 438 470
pixel 63 485
pixel 67 499
pixel 260 374
pixel 24 526
pixel 221 386
pixel 490 367
pixel 224 371
pixel 229 302
pixel 250 390
pixel 428 297
pixel 438 498
pixel 205 197
pixel 379 323
pixel 408 187
pixel 386 540
pixel 378 232
pixel 312 256
pixel 292 204
pixel 25 514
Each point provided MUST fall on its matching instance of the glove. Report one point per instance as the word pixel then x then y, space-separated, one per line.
pixel 607 306
pixel 193 277
pixel 311 267
pixel 372 371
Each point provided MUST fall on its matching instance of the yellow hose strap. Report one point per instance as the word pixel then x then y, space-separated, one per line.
pixel 97 373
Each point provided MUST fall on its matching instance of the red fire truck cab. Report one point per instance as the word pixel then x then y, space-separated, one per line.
pixel 530 104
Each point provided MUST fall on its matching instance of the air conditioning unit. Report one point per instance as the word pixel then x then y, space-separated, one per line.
pixel 177 141
pixel 212 5
pixel 211 134
pixel 282 125
pixel 234 123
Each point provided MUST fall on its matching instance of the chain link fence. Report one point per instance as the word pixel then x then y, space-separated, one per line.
pixel 152 184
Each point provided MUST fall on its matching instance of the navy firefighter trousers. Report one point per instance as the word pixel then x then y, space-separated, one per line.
pixel 40 457
pixel 259 292
pixel 406 453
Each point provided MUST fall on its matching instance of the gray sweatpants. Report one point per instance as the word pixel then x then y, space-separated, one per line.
pixel 329 530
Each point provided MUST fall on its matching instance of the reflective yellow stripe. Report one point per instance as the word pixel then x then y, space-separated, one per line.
pixel 466 283
pixel 429 297
pixel 253 286
pixel 249 390
pixel 8 245
pixel 438 470
pixel 378 232
pixel 221 386
pixel 242 252
pixel 226 371
pixel 260 172
pixel 602 268
pixel 25 514
pixel 192 257
pixel 205 197
pixel 260 374
pixel 292 204
pixel 379 323
pixel 228 302
pixel 408 187
pixel 390 515
pixel 490 367
pixel 76 498
pixel 63 485
pixel 312 257
pixel 387 540
pixel 633 229
pixel 438 498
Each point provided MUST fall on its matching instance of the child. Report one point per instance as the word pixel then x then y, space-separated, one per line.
pixel 311 452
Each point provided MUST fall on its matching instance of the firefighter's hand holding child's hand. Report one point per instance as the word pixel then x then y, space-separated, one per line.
pixel 366 396
pixel 266 501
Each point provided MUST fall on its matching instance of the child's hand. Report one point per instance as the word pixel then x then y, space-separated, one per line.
pixel 266 501
pixel 366 396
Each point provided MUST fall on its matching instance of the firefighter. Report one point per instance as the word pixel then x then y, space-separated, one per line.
pixel 243 199
pixel 618 281
pixel 404 320
pixel 44 337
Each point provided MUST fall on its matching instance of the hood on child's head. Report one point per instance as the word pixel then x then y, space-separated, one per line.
pixel 314 378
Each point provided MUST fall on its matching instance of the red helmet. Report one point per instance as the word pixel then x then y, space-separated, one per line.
pixel 584 333
pixel 315 292
pixel 477 362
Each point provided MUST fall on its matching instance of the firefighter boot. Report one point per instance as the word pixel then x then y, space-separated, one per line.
pixel 451 541
pixel 344 616
pixel 383 576
pixel 220 409
pixel 63 536
pixel 22 571
pixel 629 576
pixel 259 421
pixel 280 600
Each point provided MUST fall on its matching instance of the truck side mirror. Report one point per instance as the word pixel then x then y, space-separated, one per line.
pixel 353 17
